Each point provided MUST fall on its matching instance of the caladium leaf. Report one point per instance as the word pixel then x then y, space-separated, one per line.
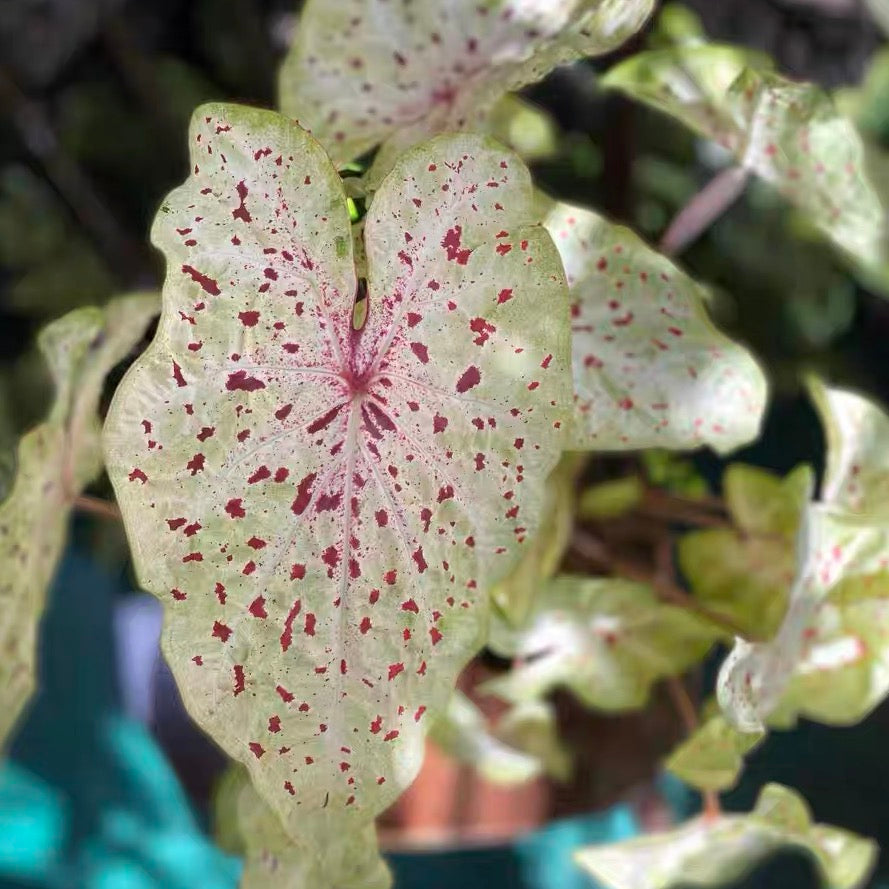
pixel 880 11
pixel 320 508
pixel 712 758
pixel 650 369
pixel 56 460
pixel 837 551
pixel 463 733
pixel 746 573
pixel 514 595
pixel 246 825
pixel 607 640
pixel 789 134
pixel 532 727
pixel 362 71
pixel 856 474
pixel 716 851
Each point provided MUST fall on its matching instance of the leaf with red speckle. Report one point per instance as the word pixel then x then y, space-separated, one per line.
pixel 247 826
pixel 842 563
pixel 723 849
pixel 56 460
pixel 352 458
pixel 364 71
pixel 789 134
pixel 650 369
pixel 607 640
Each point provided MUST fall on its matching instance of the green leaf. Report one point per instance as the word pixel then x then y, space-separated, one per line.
pixel 362 71
pixel 529 130
pixel 787 133
pixel 746 574
pixel 323 509
pixel 856 476
pixel 880 11
pixel 56 460
pixel 247 826
pixel 838 553
pixel 650 369
pixel 514 595
pixel 605 639
pixel 462 732
pixel 712 758
pixel 716 851
pixel 611 499
pixel 532 727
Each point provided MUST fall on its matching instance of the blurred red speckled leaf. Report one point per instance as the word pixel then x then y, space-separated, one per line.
pixel 322 509
pixel 56 460
pixel 364 70
pixel 650 369
pixel 789 134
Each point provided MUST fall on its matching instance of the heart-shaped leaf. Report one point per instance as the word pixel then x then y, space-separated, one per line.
pixel 789 134
pixel 715 851
pixel 608 640
pixel 56 460
pixel 746 572
pixel 363 71
pixel 320 508
pixel 650 369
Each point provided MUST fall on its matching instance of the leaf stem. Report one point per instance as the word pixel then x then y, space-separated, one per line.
pixel 704 209
pixel 96 506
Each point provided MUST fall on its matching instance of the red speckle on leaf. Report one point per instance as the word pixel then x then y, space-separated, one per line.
pixel 391 736
pixel 504 295
pixel 221 631
pixel 234 508
pixel 324 421
pixel 283 411
pixel 417 556
pixel 394 670
pixel 256 749
pixel 410 605
pixel 178 595
pixel 365 625
pixel 471 377
pixel 137 474
pixel 177 375
pixel 240 381
pixel 303 494
pixel 287 635
pixel 309 628
pixel 297 572
pixel 421 352
pixel 262 473
pixel 274 724
pixel 196 464
pixel 451 243
pixel 376 725
pixel 257 607
pixel 220 593
pixel 238 671
pixel 381 517
pixel 285 695
pixel 241 212
pixel 208 285
pixel 439 423
pixel 249 319
pixel 205 433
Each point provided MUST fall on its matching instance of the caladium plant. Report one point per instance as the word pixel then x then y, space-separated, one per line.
pixel 322 505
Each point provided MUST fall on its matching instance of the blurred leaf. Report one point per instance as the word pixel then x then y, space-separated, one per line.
pixel 245 825
pixel 720 850
pixel 673 472
pixel 880 11
pixel 789 134
pixel 55 461
pixel 532 727
pixel 605 639
pixel 611 499
pixel 525 127
pixel 712 758
pixel 868 103
pixel 462 732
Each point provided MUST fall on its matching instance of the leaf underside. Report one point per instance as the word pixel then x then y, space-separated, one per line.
pixel 321 509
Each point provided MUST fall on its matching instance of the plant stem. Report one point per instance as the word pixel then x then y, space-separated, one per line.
pixel 709 513
pixel 688 714
pixel 704 209
pixel 97 507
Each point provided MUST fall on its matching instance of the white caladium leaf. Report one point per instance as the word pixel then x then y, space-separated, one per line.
pixel 721 850
pixel 789 134
pixel 650 369
pixel 836 550
pixel 607 640
pixel 532 727
pixel 463 733
pixel 746 572
pixel 712 758
pixel 247 826
pixel 56 460
pixel 322 508
pixel 363 71
pixel 856 475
